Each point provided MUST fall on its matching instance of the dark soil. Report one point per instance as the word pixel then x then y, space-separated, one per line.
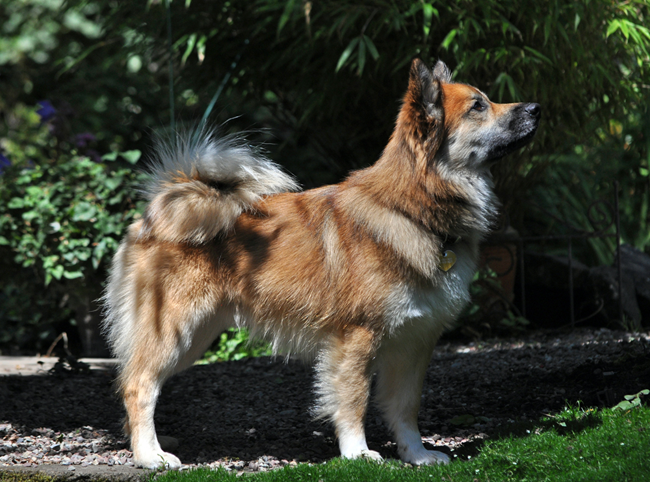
pixel 254 414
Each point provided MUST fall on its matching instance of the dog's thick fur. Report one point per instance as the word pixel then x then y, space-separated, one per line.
pixel 348 274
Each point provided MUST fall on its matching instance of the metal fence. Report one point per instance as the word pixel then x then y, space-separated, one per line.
pixel 604 218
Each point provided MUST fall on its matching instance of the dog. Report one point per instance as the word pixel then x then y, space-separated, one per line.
pixel 361 276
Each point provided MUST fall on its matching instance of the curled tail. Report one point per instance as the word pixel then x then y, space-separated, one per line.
pixel 200 186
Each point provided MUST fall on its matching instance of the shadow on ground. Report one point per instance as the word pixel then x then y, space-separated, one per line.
pixel 252 408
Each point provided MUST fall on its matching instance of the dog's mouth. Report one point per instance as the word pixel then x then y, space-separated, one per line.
pixel 522 124
pixel 499 151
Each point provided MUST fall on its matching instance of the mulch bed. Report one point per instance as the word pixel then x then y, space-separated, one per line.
pixel 253 414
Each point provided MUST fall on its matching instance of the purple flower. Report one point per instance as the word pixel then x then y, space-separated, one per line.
pixel 47 111
pixel 4 163
pixel 83 139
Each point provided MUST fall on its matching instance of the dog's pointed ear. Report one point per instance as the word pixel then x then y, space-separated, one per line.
pixel 442 72
pixel 426 88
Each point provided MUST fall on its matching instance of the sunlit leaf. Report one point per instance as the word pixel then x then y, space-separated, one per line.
pixel 72 274
pixel 449 38
pixel 191 42
pixel 131 156
pixel 346 53
pixel 371 47
pixel 362 57
pixel 428 11
pixel 538 54
pixel 286 14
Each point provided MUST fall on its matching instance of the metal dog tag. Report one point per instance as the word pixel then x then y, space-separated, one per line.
pixel 447 260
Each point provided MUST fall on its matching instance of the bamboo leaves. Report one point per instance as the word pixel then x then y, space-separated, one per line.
pixel 360 45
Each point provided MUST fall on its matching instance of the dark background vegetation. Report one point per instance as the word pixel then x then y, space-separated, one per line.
pixel 85 84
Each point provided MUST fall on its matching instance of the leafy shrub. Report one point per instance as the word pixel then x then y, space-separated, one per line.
pixel 235 344
pixel 62 219
pixel 62 216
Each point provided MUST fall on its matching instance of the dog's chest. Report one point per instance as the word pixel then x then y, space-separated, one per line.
pixel 440 300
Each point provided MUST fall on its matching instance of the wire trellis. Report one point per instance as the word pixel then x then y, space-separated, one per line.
pixel 603 216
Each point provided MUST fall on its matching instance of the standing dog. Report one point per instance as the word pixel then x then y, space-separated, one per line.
pixel 363 275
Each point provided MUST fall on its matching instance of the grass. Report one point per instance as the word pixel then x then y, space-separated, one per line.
pixel 575 445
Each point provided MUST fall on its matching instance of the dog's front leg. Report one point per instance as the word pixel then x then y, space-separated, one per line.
pixel 343 384
pixel 401 366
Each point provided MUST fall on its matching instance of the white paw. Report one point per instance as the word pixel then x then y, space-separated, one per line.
pixel 157 460
pixel 423 457
pixel 363 454
pixel 371 455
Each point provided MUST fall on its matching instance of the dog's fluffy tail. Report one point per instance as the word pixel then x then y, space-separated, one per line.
pixel 200 184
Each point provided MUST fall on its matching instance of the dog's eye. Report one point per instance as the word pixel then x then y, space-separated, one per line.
pixel 478 106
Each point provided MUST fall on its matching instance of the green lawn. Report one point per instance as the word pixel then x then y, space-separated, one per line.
pixel 575 445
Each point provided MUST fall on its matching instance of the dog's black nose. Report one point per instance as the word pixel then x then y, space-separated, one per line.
pixel 534 110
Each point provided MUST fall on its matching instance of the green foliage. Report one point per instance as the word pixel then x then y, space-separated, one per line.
pixel 68 52
pixel 235 344
pixel 58 218
pixel 313 71
pixel 564 200
pixel 62 216
pixel 632 401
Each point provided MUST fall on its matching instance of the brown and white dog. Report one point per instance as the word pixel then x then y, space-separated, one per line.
pixel 362 276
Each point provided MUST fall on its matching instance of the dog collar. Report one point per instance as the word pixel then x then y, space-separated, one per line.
pixel 449 240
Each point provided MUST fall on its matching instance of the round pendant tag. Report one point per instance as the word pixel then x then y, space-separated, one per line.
pixel 447 260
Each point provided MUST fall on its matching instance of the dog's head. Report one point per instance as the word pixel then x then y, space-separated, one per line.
pixel 457 124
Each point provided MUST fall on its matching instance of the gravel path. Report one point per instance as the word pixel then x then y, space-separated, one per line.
pixel 253 415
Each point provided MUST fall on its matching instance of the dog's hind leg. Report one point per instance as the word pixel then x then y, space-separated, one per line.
pixel 401 367
pixel 344 374
pixel 155 358
pixel 140 390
